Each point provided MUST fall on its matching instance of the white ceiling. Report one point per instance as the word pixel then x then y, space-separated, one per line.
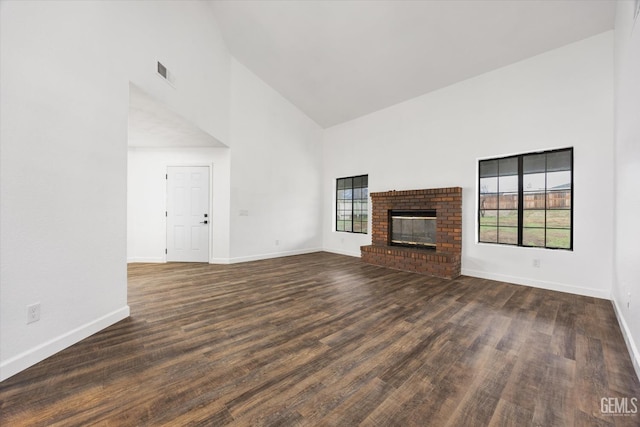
pixel 152 124
pixel 338 60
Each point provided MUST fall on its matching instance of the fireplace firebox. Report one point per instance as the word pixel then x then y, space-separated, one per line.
pixel 415 229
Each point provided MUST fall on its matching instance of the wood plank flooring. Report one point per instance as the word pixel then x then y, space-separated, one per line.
pixel 326 340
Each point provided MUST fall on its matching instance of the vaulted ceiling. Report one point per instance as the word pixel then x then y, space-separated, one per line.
pixel 153 124
pixel 338 60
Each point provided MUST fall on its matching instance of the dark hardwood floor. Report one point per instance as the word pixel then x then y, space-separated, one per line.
pixel 324 339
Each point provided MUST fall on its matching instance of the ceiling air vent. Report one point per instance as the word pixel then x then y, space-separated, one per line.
pixel 162 70
pixel 166 75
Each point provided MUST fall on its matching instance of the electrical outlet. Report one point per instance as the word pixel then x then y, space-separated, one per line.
pixel 536 262
pixel 277 242
pixel 33 313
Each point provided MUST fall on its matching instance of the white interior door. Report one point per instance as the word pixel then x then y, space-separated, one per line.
pixel 188 216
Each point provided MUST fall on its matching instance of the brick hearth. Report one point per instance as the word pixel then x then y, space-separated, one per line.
pixel 445 260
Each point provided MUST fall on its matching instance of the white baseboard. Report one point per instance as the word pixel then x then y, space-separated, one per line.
pixel 552 286
pixel 37 354
pixel 341 252
pixel 153 260
pixel 264 256
pixel 628 338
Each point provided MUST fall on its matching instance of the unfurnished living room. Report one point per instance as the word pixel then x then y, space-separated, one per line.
pixel 313 213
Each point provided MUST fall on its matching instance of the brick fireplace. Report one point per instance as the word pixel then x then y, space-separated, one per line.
pixel 441 261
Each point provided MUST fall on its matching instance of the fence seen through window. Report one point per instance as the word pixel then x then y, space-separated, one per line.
pixel 527 200
pixel 352 204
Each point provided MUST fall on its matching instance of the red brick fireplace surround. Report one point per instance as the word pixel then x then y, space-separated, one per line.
pixel 445 260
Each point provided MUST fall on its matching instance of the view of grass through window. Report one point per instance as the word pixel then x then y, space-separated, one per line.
pixel 352 204
pixel 526 200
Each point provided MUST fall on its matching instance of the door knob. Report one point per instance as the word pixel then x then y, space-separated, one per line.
pixel 205 222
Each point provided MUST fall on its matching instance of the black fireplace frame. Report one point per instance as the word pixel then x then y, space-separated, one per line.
pixel 425 213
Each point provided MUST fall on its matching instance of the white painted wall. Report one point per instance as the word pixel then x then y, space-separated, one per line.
pixel 276 157
pixel 65 69
pixel 626 288
pixel 183 36
pixel 272 192
pixel 558 99
pixel 147 199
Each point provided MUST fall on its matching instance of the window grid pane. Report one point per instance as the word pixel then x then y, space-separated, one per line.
pixel 533 237
pixel 508 235
pixel 489 234
pixel 499 201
